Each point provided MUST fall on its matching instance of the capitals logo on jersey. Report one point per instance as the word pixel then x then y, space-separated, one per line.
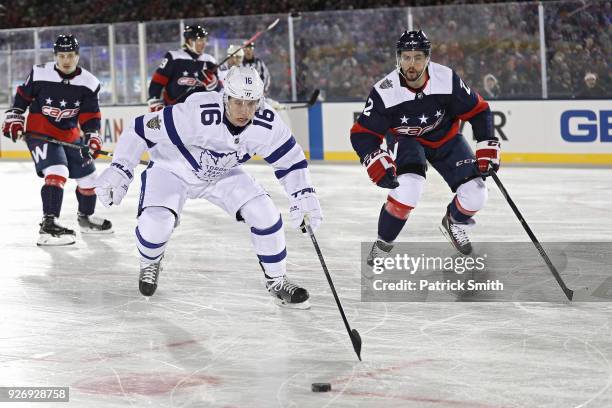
pixel 418 125
pixel 214 165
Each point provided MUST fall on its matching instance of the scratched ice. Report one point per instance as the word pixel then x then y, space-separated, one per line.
pixel 211 336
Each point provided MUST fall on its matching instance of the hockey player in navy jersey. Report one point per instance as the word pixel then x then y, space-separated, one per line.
pixel 184 71
pixel 421 104
pixel 196 151
pixel 61 97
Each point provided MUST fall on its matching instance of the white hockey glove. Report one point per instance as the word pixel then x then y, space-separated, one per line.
pixel 112 185
pixel 305 203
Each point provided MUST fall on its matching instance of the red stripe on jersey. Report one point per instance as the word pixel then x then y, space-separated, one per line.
pixel 87 116
pixel 160 79
pixel 23 95
pixel 452 132
pixel 167 100
pixel 480 106
pixel 357 128
pixel 38 123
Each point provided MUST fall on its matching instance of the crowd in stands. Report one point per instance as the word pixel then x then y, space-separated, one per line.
pixel 343 47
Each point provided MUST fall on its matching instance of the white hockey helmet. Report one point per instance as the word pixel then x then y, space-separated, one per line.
pixel 243 83
pixel 232 48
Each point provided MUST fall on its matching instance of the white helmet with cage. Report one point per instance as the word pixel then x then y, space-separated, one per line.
pixel 233 48
pixel 243 83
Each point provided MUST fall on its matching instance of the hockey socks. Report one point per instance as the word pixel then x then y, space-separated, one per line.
pixel 389 226
pixel 52 194
pixel 87 200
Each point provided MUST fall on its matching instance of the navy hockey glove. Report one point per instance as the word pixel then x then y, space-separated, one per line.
pixel 93 147
pixel 209 80
pixel 381 169
pixel 13 124
pixel 155 104
pixel 487 154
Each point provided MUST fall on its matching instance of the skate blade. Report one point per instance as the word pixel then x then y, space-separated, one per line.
pixel 303 305
pixel 450 240
pixel 90 231
pixel 49 240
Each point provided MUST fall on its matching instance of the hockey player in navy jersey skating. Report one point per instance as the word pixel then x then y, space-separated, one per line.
pixel 421 104
pixel 197 149
pixel 184 71
pixel 61 96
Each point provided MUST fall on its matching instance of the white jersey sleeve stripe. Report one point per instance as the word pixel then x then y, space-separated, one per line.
pixel 281 151
pixel 299 165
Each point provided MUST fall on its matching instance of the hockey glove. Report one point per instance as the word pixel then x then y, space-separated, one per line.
pixel 209 80
pixel 155 104
pixel 93 146
pixel 13 124
pixel 487 155
pixel 381 169
pixel 113 183
pixel 305 203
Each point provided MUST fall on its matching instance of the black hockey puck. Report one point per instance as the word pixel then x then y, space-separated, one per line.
pixel 321 387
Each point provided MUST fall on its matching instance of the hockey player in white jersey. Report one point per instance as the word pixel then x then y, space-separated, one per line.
pixel 196 151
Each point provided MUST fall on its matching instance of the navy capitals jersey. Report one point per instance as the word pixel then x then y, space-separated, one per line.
pixel 177 72
pixel 431 114
pixel 59 103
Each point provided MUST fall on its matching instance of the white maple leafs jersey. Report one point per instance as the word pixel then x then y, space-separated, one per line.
pixel 192 141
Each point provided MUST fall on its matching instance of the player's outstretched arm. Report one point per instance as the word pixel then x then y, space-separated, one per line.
pixel 113 183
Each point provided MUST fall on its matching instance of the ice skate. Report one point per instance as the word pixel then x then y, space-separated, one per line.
pixel 149 275
pixel 380 249
pixel 53 234
pixel 90 224
pixel 457 235
pixel 286 293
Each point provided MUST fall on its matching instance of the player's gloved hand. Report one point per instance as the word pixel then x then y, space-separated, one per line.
pixel 13 124
pixel 487 155
pixel 209 80
pixel 155 104
pixel 113 183
pixel 381 169
pixel 304 203
pixel 92 147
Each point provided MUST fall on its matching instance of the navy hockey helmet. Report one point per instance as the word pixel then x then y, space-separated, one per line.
pixel 66 43
pixel 413 41
pixel 193 32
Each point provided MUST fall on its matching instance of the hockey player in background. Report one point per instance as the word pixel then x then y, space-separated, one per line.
pixel 184 71
pixel 61 96
pixel 421 104
pixel 234 61
pixel 251 61
pixel 196 151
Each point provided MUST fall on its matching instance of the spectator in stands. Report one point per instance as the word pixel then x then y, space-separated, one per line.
pixel 592 89
pixel 491 87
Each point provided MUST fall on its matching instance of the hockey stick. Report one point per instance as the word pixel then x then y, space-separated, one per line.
pixel 258 34
pixel 311 101
pixel 353 334
pixel 48 139
pixel 569 293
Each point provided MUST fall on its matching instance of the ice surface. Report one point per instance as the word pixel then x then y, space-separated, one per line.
pixel 212 337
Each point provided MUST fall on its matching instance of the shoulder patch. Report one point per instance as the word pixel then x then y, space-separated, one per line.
pixel 386 84
pixel 154 123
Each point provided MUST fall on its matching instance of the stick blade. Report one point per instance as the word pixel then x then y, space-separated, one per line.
pixel 274 23
pixel 314 97
pixel 356 340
